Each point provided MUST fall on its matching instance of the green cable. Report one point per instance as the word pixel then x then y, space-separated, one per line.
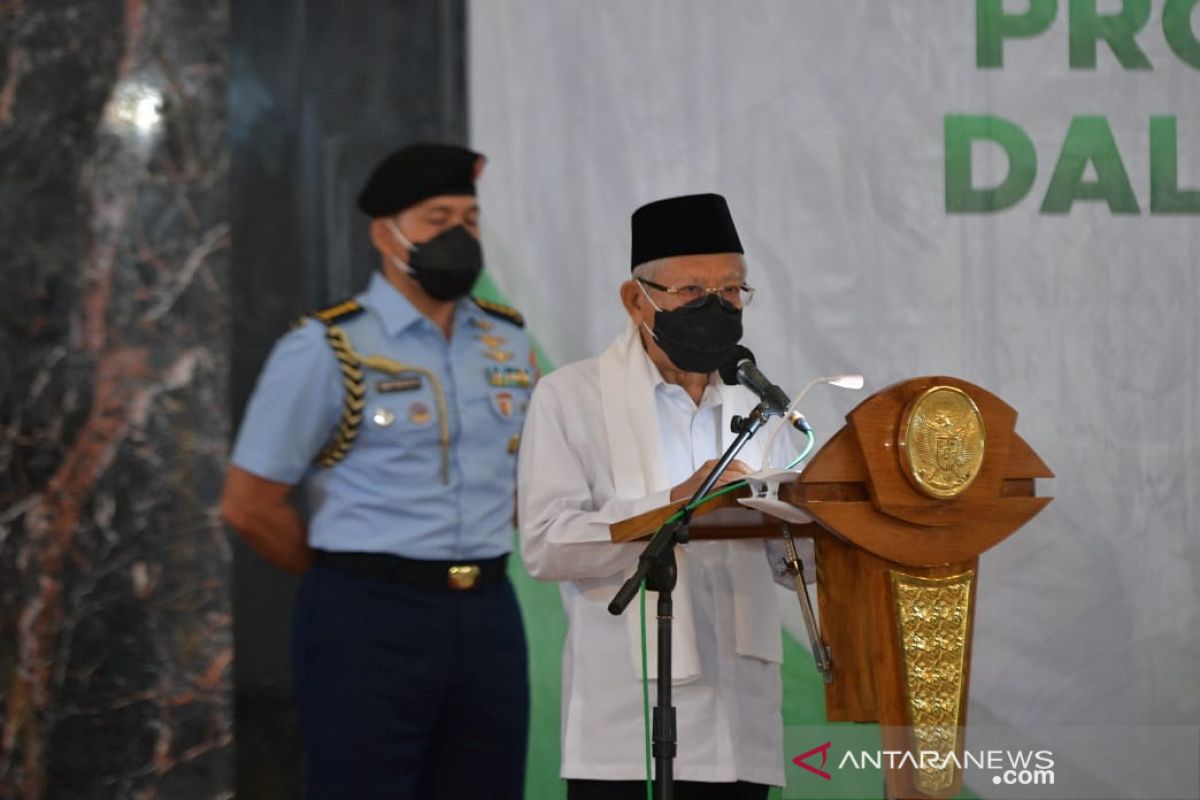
pixel 735 485
pixel 726 489
pixel 646 696
pixel 807 449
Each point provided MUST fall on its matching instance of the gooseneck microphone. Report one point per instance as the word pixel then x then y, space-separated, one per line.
pixel 739 368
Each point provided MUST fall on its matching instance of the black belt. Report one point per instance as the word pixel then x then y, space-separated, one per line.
pixel 453 575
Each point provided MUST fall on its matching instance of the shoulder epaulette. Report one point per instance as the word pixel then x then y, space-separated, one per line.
pixel 338 312
pixel 501 311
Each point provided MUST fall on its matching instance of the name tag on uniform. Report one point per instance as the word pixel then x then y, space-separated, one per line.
pixel 406 383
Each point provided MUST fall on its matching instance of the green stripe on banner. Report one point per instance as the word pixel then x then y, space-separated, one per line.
pixel 545 628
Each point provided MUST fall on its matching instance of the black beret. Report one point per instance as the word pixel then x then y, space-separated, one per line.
pixel 683 226
pixel 414 173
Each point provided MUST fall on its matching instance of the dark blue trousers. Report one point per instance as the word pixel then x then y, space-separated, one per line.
pixel 408 692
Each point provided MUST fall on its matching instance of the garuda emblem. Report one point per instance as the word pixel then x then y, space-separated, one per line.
pixel 942 441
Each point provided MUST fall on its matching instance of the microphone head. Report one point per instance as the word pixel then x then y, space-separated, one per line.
pixel 729 367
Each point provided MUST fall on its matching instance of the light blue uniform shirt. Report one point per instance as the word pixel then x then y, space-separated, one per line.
pixel 394 492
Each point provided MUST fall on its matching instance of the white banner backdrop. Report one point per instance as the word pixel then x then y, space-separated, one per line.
pixel 825 124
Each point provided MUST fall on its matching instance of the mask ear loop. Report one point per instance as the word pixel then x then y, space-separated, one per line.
pixel 650 331
pixel 395 229
pixel 647 294
pixel 400 237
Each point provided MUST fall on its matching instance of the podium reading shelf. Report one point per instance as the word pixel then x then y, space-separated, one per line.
pixel 926 475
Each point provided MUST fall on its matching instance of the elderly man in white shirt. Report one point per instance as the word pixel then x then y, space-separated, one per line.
pixel 622 433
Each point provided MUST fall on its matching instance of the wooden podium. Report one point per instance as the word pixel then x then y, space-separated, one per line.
pixel 926 475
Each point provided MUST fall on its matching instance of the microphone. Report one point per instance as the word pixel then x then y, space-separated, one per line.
pixel 739 367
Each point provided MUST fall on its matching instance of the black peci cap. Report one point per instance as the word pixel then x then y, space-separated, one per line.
pixel 416 172
pixel 683 226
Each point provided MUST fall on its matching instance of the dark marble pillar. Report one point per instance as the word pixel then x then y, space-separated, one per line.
pixel 115 630
pixel 319 92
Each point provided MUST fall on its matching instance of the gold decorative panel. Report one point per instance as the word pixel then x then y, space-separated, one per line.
pixel 933 623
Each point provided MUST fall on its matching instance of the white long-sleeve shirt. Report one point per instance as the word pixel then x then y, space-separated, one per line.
pixel 729 720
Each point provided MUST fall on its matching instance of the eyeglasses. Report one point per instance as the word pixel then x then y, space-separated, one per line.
pixel 740 295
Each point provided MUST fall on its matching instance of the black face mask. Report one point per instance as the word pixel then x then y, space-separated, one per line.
pixel 697 337
pixel 447 265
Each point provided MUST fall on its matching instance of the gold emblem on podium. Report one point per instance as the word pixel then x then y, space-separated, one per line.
pixel 942 442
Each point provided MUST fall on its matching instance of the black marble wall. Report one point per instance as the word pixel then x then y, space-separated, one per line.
pixel 150 253
pixel 319 92
pixel 115 630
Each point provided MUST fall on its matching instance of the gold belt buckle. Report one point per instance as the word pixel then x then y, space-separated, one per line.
pixel 462 577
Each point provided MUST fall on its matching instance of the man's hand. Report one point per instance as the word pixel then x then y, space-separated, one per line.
pixel 259 510
pixel 735 471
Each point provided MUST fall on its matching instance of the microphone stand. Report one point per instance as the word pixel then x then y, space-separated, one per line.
pixel 656 566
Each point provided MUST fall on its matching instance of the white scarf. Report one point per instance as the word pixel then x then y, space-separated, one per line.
pixel 627 380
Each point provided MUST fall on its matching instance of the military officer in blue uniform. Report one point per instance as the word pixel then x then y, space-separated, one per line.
pixel 399 413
